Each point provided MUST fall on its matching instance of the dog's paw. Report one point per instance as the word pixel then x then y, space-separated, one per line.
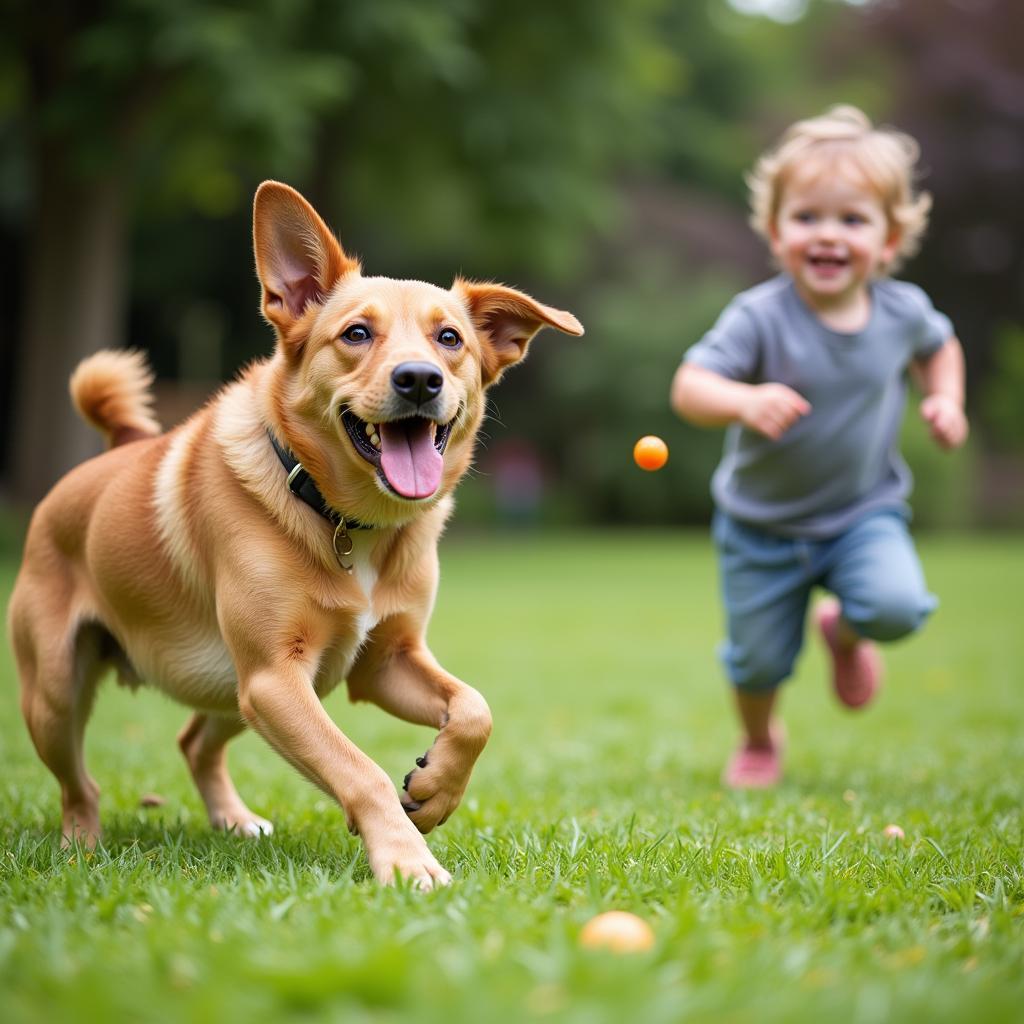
pixel 409 862
pixel 421 762
pixel 427 795
pixel 250 826
pixel 76 834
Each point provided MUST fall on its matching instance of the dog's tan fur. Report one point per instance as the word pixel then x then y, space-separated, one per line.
pixel 182 559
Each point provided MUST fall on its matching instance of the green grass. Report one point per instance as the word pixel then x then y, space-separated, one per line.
pixel 599 790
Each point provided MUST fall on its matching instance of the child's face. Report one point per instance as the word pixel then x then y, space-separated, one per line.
pixel 831 235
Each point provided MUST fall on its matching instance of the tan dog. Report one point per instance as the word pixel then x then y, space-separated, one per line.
pixel 207 562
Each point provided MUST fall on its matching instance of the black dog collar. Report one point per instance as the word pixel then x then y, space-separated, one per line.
pixel 301 484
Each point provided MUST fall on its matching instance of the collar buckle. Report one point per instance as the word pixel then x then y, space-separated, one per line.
pixel 297 470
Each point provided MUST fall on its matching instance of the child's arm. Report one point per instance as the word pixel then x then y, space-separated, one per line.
pixel 710 400
pixel 941 378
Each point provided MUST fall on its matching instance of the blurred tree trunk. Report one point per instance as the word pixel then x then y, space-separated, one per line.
pixel 74 305
pixel 74 279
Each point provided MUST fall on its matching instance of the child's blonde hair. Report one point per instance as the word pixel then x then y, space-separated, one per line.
pixel 844 138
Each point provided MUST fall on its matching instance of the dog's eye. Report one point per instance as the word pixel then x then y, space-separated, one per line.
pixel 357 334
pixel 449 338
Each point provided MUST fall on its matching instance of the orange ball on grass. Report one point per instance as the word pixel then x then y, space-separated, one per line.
pixel 617 932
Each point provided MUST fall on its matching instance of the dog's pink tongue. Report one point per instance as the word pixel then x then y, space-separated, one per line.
pixel 409 459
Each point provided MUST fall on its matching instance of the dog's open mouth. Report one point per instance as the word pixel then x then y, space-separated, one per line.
pixel 408 453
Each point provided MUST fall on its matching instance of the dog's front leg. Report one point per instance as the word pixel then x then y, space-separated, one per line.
pixel 397 672
pixel 280 704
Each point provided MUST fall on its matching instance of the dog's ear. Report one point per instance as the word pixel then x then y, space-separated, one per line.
pixel 505 321
pixel 298 260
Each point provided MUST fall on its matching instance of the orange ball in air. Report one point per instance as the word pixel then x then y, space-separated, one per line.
pixel 650 453
pixel 617 932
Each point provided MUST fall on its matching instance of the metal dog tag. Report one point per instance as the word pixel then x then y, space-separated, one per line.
pixel 343 545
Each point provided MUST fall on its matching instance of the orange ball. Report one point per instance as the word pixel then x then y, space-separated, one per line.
pixel 618 932
pixel 650 453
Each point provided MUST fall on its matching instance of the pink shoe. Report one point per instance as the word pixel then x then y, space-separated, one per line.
pixel 755 767
pixel 856 671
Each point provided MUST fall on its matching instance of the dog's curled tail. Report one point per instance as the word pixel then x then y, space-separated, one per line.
pixel 112 390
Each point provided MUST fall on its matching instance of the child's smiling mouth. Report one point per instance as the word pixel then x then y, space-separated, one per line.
pixel 827 260
pixel 825 267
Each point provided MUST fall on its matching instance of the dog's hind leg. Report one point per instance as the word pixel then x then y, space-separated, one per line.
pixel 59 669
pixel 202 741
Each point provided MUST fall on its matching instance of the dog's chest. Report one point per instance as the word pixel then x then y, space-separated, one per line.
pixel 194 665
pixel 338 660
pixel 365 575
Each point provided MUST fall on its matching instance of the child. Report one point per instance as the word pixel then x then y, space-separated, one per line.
pixel 808 371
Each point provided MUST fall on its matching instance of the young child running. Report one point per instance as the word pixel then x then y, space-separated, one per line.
pixel 808 372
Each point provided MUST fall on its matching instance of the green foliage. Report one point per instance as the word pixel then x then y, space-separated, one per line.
pixel 581 405
pixel 740 80
pixel 431 116
pixel 1002 406
pixel 599 790
pixel 182 90
pixel 613 388
pixel 945 491
pixel 501 140
pixel 496 143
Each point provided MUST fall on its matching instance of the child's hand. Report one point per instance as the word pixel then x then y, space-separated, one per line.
pixel 946 419
pixel 772 409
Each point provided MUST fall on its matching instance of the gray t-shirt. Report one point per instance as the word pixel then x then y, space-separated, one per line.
pixel 842 460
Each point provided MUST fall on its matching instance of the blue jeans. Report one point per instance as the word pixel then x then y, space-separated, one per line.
pixel 766 582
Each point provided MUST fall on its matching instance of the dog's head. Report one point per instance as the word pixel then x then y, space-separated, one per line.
pixel 380 383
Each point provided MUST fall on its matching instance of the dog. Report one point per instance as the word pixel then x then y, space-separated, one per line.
pixel 280 540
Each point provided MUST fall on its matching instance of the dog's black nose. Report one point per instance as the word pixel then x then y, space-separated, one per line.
pixel 418 382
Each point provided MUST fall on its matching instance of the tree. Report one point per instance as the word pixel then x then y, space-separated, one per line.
pixel 136 106
pixel 101 83
pixel 957 83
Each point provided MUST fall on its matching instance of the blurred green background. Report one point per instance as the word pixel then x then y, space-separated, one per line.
pixel 589 152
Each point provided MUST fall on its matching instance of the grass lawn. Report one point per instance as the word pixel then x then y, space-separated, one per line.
pixel 599 790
